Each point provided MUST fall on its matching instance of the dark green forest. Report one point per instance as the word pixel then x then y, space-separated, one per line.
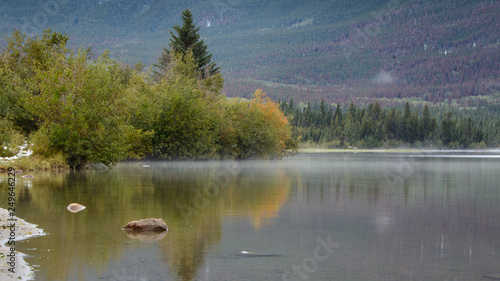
pixel 322 125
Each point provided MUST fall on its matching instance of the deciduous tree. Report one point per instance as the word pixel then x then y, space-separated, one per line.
pixel 82 109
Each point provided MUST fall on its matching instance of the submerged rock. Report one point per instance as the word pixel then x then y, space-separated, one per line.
pixel 75 207
pixel 146 225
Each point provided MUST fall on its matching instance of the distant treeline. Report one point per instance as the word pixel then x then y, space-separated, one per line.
pixel 373 126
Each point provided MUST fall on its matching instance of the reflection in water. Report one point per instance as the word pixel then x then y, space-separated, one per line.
pixel 148 236
pixel 440 222
pixel 130 192
pixel 428 219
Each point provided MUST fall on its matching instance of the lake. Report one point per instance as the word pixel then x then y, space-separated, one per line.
pixel 323 216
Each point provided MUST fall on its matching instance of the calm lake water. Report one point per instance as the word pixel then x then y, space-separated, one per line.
pixel 330 216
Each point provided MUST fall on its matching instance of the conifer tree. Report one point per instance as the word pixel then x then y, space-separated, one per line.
pixel 338 113
pixel 352 110
pixel 446 128
pixel 322 113
pixel 406 120
pixel 187 39
pixel 427 128
pixel 375 111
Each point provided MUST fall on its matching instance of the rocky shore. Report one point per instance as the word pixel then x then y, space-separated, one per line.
pixel 22 230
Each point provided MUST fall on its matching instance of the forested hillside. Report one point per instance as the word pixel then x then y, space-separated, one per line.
pixel 443 51
pixel 440 51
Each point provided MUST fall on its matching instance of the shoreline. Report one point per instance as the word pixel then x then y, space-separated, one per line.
pixel 23 230
pixel 36 168
pixel 394 150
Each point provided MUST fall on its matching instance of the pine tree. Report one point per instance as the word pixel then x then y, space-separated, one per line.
pixel 375 111
pixel 350 130
pixel 187 40
pixel 427 124
pixel 406 120
pixel 329 117
pixel 412 128
pixel 322 113
pixel 391 124
pixel 291 105
pixel 338 113
pixel 352 110
pixel 366 127
pixel 447 128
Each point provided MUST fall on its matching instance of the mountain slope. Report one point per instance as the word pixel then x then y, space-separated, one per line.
pixel 339 50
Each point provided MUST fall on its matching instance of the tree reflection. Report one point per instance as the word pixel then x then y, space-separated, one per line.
pixel 130 192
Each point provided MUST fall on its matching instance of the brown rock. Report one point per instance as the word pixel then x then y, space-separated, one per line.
pixel 146 225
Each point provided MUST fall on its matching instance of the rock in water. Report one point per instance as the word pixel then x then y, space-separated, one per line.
pixel 146 225
pixel 75 207
pixel 99 167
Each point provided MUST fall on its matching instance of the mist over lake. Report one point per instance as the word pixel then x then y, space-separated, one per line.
pixel 319 216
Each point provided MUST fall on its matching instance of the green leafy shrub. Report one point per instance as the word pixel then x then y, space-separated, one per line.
pixel 82 109
pixel 10 139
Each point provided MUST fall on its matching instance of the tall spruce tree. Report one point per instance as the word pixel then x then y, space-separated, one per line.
pixel 187 39
pixel 427 128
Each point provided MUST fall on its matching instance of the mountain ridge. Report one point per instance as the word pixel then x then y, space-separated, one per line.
pixel 339 51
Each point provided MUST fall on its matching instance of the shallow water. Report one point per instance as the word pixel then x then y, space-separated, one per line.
pixel 383 216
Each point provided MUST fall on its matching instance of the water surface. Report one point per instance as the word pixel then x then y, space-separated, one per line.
pixel 384 216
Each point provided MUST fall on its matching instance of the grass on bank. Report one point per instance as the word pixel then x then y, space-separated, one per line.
pixel 37 163
pixel 33 162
